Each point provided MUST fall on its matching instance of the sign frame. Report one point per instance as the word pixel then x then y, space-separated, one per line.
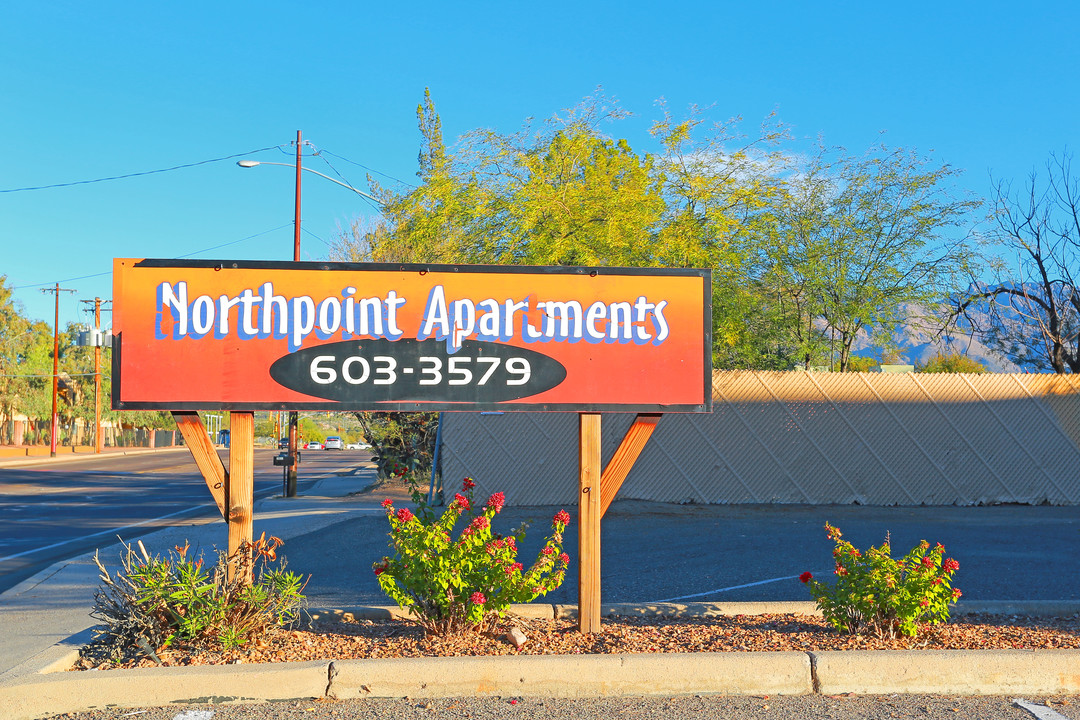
pixel 420 269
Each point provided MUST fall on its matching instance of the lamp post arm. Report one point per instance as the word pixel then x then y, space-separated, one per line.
pixel 361 193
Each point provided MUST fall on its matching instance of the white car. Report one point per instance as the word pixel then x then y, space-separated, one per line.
pixel 313 445
pixel 334 443
pixel 358 446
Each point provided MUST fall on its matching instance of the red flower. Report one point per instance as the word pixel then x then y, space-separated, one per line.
pixel 806 577
pixel 924 602
pixel 950 565
pixel 956 593
pixel 380 570
pixel 511 568
pixel 461 501
pixel 477 598
pixel 548 550
pixel 496 501
pixel 467 484
pixel 404 515
pixel 561 518
pixel 564 559
pixel 479 523
pixel 387 503
pixel 928 561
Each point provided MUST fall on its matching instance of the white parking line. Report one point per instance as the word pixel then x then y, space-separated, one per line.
pixel 733 587
pixel 1042 712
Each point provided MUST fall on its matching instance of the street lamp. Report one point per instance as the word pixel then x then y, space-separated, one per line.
pixel 361 193
pixel 290 470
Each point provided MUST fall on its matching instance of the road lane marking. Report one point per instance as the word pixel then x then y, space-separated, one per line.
pixel 258 495
pixel 102 532
pixel 733 587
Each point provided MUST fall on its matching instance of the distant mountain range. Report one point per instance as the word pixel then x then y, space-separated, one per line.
pixel 919 344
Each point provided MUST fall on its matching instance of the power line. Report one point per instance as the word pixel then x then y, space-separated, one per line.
pixel 138 174
pixel 369 169
pixel 234 242
pixel 366 198
pixel 178 257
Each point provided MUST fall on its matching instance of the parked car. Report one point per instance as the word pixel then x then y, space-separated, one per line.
pixel 334 443
pixel 314 445
pixel 358 446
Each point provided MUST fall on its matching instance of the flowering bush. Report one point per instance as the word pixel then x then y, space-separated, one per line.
pixel 875 592
pixel 451 584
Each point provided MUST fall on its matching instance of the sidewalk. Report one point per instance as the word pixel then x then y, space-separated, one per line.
pixel 15 457
pixel 45 619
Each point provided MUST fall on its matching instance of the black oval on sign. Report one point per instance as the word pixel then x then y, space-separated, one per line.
pixel 407 370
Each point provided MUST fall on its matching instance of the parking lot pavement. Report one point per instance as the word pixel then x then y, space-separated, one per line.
pixel 654 552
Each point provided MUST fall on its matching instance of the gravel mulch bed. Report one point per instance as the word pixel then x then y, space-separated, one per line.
pixel 341 640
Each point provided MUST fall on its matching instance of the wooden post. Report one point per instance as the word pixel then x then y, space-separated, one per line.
pixel 240 483
pixel 589 523
pixel 204 454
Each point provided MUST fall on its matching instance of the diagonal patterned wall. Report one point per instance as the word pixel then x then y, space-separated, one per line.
pixel 797 437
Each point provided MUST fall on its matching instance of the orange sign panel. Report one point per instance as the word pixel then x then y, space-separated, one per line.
pixel 344 336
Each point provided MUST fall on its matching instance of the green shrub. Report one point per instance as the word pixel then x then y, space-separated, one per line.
pixel 155 601
pixel 952 363
pixel 874 592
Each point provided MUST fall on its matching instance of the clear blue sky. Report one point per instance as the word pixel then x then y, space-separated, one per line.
pixel 92 90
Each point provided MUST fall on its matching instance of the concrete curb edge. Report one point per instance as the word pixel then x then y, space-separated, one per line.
pixel 43 688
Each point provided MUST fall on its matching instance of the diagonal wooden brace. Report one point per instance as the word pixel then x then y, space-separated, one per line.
pixel 206 457
pixel 625 456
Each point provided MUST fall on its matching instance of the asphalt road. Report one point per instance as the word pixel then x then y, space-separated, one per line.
pixel 814 707
pixel 55 511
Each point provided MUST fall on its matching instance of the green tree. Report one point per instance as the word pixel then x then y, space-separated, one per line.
pixel 802 253
pixel 882 239
pixel 25 356
pixel 720 187
pixel 952 363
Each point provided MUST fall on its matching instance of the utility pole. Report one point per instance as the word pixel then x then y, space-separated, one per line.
pixel 99 441
pixel 294 417
pixel 55 365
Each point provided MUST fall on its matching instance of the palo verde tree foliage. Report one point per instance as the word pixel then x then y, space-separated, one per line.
pixel 801 250
pixel 860 237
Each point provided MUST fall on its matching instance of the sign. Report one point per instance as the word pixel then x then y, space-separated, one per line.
pixel 344 336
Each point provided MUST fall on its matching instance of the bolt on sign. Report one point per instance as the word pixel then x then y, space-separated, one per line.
pixel 319 336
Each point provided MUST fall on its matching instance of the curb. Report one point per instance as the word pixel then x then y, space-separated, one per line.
pixel 43 688
pixel 17 461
